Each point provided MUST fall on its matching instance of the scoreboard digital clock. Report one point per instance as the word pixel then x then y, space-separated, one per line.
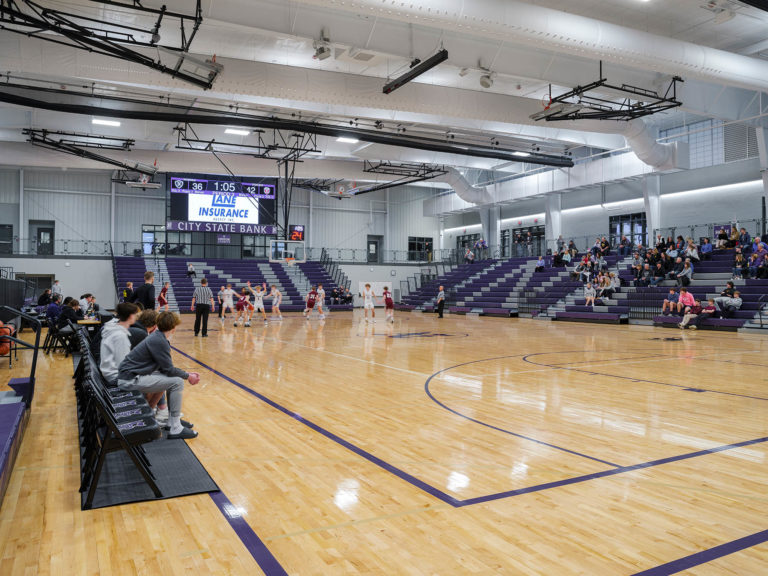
pixel 296 232
pixel 237 200
pixel 205 186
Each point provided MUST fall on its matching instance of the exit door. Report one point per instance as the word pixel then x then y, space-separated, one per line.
pixel 45 241
pixel 373 251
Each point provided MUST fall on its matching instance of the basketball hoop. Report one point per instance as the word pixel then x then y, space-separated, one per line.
pixel 546 102
pixel 290 262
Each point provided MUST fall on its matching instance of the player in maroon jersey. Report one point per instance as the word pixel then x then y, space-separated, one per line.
pixel 389 305
pixel 311 299
pixel 243 308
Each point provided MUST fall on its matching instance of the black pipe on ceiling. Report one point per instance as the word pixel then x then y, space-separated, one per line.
pixel 759 4
pixel 182 114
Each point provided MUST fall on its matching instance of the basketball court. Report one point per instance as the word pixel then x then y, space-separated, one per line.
pixel 428 447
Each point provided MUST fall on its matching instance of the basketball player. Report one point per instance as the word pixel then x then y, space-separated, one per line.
pixel 227 301
pixel 320 301
pixel 389 305
pixel 368 297
pixel 258 300
pixel 277 298
pixel 311 301
pixel 243 302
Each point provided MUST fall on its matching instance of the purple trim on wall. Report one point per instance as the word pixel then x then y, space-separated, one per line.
pixel 268 563
pixel 706 555
pixel 516 434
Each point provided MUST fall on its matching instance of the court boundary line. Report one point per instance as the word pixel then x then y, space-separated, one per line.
pixel 255 546
pixel 436 492
pixel 705 556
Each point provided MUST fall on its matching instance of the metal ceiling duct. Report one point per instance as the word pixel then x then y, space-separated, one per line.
pixel 543 28
pixel 75 102
pixel 464 190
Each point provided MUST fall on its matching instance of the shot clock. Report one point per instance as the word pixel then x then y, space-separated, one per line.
pixel 296 232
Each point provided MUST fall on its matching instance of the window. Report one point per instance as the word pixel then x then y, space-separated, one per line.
pixel 633 226
pixel 419 248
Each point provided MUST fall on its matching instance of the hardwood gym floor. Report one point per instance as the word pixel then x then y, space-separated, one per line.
pixel 427 447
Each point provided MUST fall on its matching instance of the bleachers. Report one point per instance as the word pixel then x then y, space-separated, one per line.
pixel 225 271
pixel 424 297
pixel 491 292
pixel 316 274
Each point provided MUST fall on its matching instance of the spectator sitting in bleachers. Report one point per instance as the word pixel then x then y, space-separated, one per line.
pixel 666 263
pixel 600 263
pixel 729 306
pixel 644 278
pixel 149 369
pixel 752 265
pixel 589 294
pixel 745 242
pixel 637 265
pixel 740 267
pixel 722 239
pixel 691 252
pixel 115 341
pixel 348 298
pixel 759 247
pixel 670 303
pixel 469 256
pixel 706 249
pixel 733 240
pixel 539 265
pixel 605 287
pixel 595 247
pixel 661 244
pixel 605 246
pixel 625 246
pixel 659 275
pixel 729 290
pixel 677 268
pixel 335 296
pixel 680 244
pixel 53 310
pixel 707 311
pixel 45 298
pixel 761 272
pixel 686 275
pixel 572 250
pixel 690 313
pixel 191 270
pixel 685 300
pixel 640 249
pixel 670 243
pixel 653 256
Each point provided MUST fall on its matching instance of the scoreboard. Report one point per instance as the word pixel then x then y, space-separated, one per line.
pixel 228 186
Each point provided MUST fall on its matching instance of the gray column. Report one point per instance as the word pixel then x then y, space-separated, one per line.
pixel 112 214
pixel 651 191
pixel 553 225
pixel 762 149
pixel 23 228
pixel 489 218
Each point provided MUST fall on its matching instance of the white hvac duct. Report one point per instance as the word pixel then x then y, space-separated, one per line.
pixel 544 28
pixel 642 140
pixel 464 189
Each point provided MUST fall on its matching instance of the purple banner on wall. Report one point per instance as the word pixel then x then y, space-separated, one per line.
pixel 183 226
pixel 224 239
pixel 725 228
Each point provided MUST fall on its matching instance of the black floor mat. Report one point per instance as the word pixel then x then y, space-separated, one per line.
pixel 177 470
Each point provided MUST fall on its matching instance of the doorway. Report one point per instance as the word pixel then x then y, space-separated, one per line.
pixel 373 250
pixel 45 241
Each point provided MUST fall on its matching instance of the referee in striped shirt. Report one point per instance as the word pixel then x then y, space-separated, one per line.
pixel 200 305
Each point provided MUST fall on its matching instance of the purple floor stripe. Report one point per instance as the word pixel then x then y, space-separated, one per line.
pixel 516 434
pixel 268 563
pixel 605 473
pixel 440 495
pixel 706 555
pixel 630 378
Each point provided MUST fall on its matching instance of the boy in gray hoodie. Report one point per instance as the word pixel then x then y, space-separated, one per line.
pixel 115 340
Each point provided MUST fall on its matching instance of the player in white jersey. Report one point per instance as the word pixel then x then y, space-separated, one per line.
pixel 227 301
pixel 320 301
pixel 368 297
pixel 258 299
pixel 277 298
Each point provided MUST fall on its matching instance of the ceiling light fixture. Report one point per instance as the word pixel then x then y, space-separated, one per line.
pixel 521 154
pixel 486 80
pixel 237 131
pixel 101 122
pixel 347 140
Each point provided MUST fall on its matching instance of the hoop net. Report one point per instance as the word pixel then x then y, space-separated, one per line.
pixel 546 102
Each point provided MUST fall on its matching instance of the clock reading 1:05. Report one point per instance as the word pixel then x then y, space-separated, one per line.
pixel 296 232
